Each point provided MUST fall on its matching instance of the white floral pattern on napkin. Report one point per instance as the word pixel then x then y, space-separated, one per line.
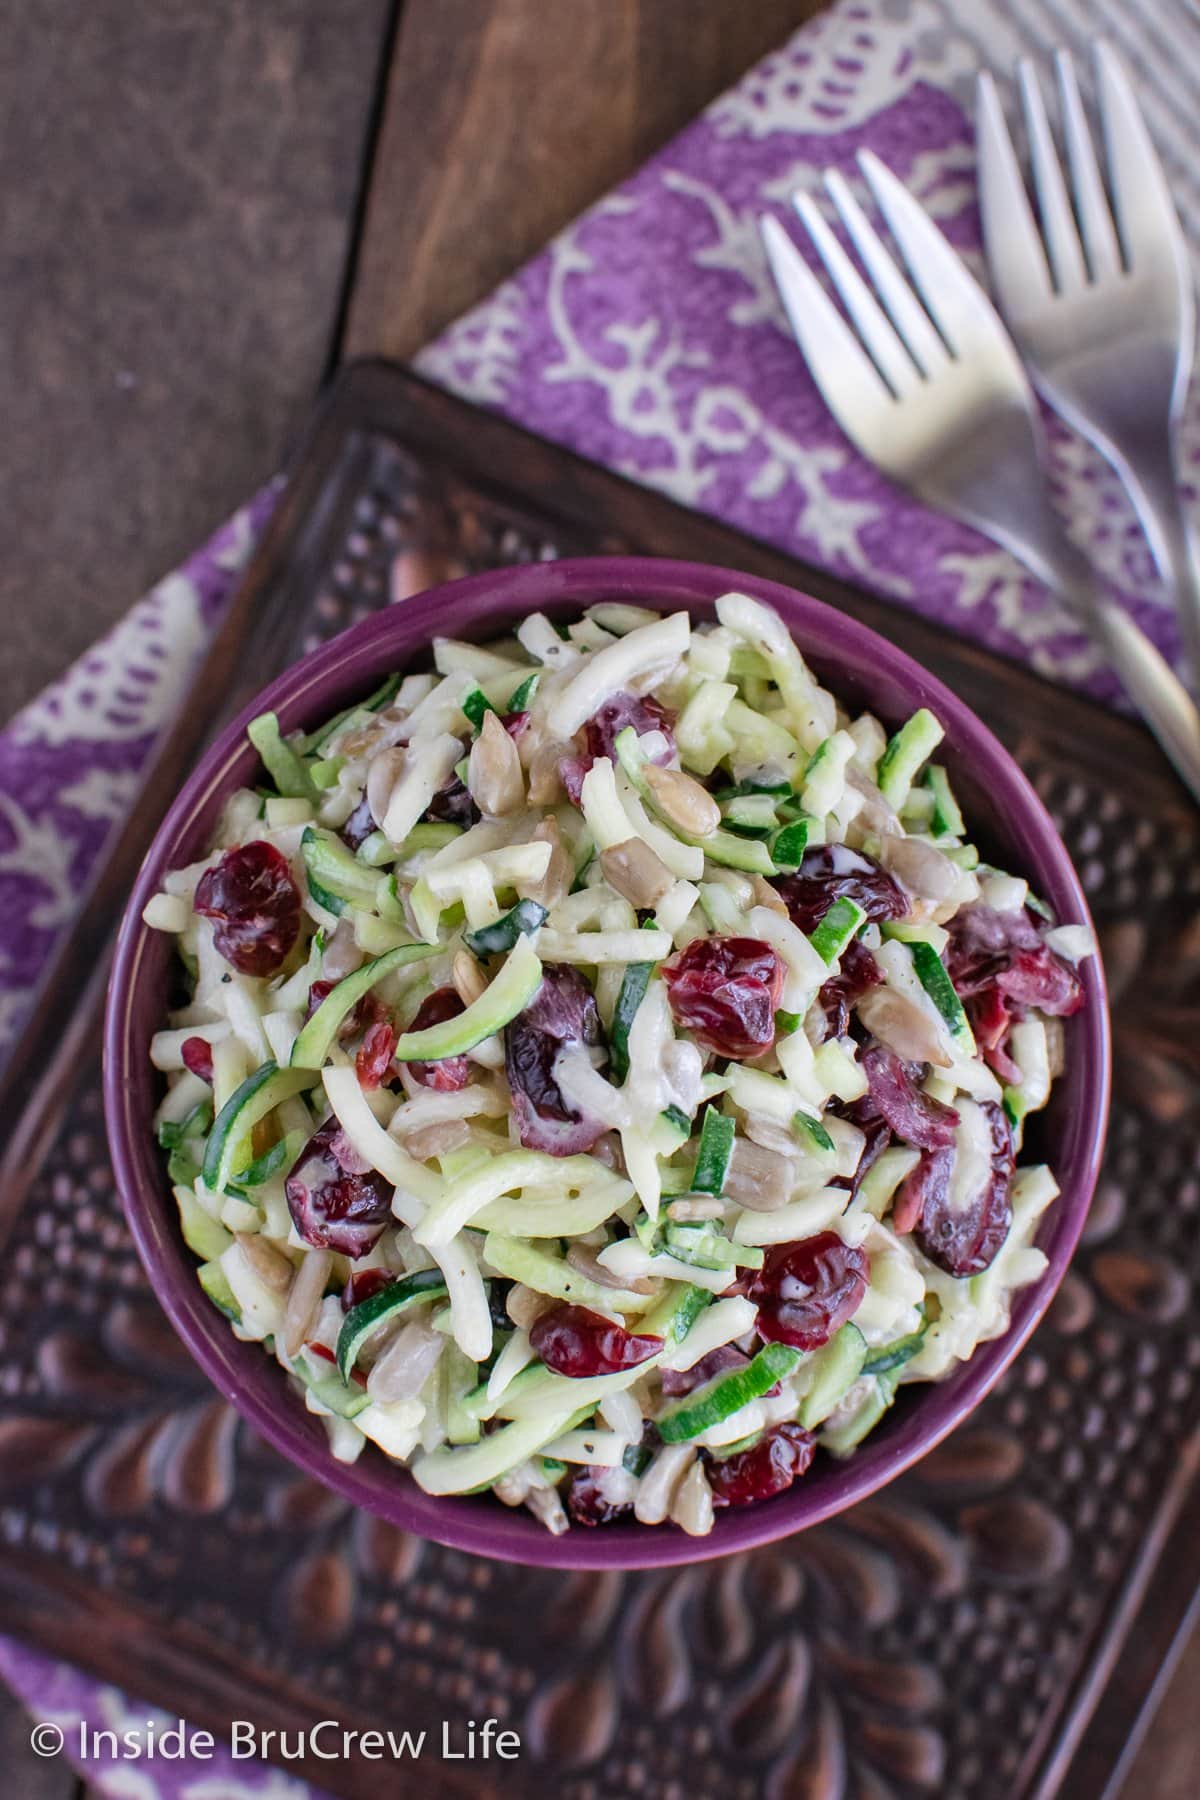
pixel 649 336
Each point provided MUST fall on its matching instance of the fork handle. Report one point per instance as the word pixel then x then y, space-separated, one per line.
pixel 1043 545
pixel 1149 680
pixel 1181 571
pixel 1153 487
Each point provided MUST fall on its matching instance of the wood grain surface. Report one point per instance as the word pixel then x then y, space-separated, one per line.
pixel 506 118
pixel 179 194
pixel 1167 1767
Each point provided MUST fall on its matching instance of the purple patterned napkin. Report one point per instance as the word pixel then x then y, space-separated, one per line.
pixel 70 761
pixel 647 336
pixel 64 1700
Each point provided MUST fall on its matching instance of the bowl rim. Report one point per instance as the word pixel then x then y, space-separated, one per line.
pixel 248 1380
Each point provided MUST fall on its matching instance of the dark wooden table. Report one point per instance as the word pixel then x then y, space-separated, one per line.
pixel 208 207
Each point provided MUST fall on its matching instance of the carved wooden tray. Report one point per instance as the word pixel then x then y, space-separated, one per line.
pixel 989 1629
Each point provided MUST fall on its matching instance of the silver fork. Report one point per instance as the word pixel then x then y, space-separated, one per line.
pixel 935 395
pixel 1100 301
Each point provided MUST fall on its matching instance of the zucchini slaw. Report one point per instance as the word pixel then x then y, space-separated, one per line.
pixel 601 1064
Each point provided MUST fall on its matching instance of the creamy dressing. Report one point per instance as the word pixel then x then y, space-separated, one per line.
pixel 468 1199
pixel 973 1157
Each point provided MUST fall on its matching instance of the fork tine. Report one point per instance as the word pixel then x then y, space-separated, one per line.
pixel 911 320
pixel 874 329
pixel 1015 253
pixel 1146 217
pixel 850 384
pixel 1091 201
pixel 953 298
pixel 1058 221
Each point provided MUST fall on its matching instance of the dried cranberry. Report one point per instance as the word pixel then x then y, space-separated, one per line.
pixel 990 1018
pixel 365 1011
pixel 451 1072
pixel 1002 1064
pixel 991 1022
pixel 374 1057
pixel 877 1134
pixel 804 1292
pixel 1039 978
pixel 766 1468
pixel 965 1236
pixel 978 935
pixel 255 907
pixel 858 971
pixel 571 771
pixel 991 950
pixel 197 1056
pixel 318 991
pixel 602 730
pixel 562 1012
pixel 336 1200
pixel 830 871
pixel 573 1341
pixel 725 991
pixel 895 1102
pixel 364 1286
pixel 914 1116
pixel 358 826
pixel 928 1182
pixel 642 711
pixel 587 1501
pixel 682 1381
pixel 453 806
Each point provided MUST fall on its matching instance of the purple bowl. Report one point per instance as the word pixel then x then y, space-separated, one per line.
pixel 1006 815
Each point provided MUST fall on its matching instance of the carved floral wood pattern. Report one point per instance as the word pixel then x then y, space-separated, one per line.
pixel 919 1644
